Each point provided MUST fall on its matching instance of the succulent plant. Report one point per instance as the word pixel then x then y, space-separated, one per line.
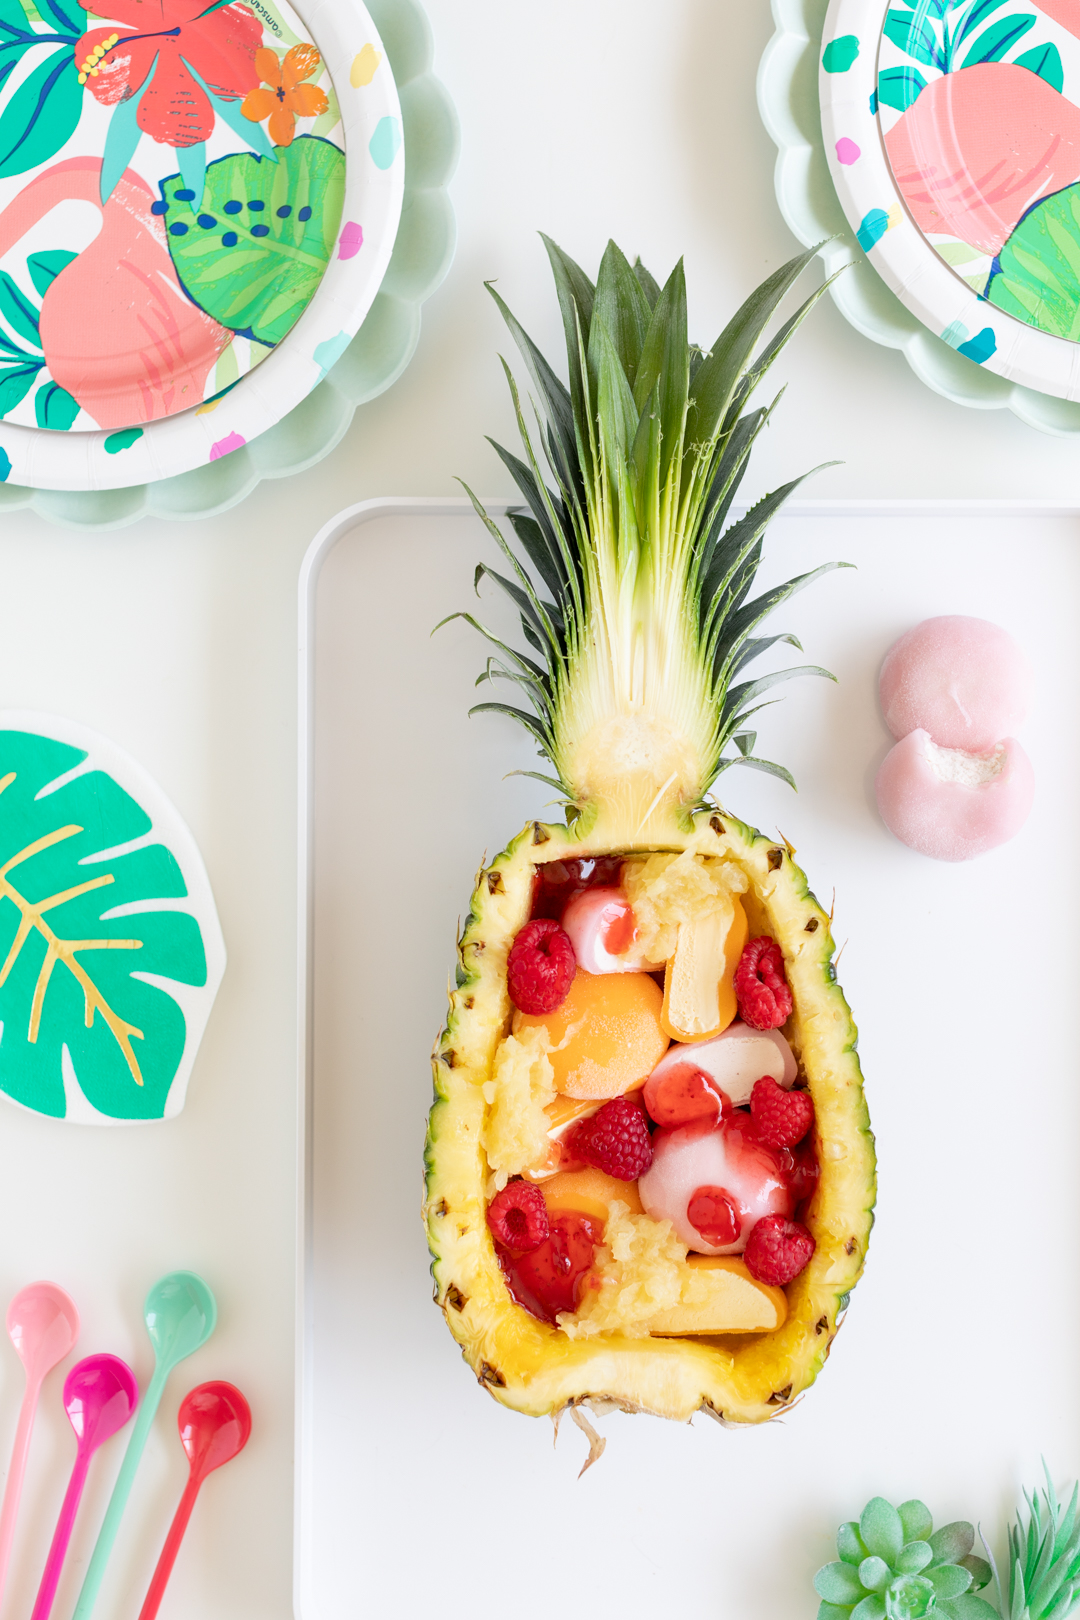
pixel 1044 1559
pixel 894 1566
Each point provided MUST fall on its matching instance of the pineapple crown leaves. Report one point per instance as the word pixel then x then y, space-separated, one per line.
pixel 632 588
pixel 893 1565
pixel 1044 1558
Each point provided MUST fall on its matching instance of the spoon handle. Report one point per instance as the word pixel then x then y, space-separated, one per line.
pixel 156 1590
pixel 99 1558
pixel 61 1536
pixel 13 1489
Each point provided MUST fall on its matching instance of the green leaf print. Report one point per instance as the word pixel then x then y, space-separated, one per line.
pixel 1039 280
pixel 899 87
pixel 997 41
pixel 97 934
pixel 254 250
pixel 1045 60
pixel 42 114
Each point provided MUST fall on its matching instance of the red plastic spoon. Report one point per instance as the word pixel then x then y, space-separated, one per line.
pixel 215 1422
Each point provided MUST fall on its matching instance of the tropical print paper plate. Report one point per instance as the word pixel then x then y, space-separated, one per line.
pixel 952 129
pixel 197 204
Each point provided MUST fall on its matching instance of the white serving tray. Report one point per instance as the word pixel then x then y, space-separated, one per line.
pixel 954 1370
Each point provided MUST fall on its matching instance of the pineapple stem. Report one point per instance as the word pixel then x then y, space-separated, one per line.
pixel 630 590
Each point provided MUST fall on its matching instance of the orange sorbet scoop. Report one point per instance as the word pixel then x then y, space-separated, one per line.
pixel 606 1037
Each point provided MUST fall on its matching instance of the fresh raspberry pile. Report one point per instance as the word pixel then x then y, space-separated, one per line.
pixel 782 1117
pixel 541 966
pixel 762 990
pixel 777 1250
pixel 518 1217
pixel 712 1212
pixel 616 1140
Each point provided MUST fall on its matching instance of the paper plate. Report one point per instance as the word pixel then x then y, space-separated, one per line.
pixel 954 147
pixel 789 80
pixel 194 221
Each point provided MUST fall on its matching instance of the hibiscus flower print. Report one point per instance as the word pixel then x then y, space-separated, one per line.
pixel 163 41
pixel 286 99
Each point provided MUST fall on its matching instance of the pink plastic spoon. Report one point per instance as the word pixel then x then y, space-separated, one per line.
pixel 100 1394
pixel 44 1326
pixel 215 1422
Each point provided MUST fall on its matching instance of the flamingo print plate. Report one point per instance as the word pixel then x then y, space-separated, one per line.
pixel 952 130
pixel 198 202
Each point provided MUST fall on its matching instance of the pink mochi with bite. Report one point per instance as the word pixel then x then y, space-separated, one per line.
pixel 954 805
pixel 963 680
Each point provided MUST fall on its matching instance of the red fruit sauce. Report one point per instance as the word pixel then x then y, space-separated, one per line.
pixel 798 1166
pixel 712 1212
pixel 548 1280
pixel 557 882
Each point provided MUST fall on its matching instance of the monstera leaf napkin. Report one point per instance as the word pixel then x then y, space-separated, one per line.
pixel 111 952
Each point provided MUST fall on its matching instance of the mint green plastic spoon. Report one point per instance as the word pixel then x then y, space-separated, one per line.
pixel 181 1314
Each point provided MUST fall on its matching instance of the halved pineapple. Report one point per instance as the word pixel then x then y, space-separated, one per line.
pixel 647 625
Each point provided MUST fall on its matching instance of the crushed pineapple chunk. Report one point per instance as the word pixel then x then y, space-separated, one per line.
pixel 522 1085
pixel 640 1269
pixel 669 890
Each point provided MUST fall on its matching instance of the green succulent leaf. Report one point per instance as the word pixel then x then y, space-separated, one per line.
pixel 872 1607
pixel 916 1520
pixel 881 1529
pixel 834 1611
pixel 838 1583
pixel 909 1597
pixel 952 1542
pixel 950 1580
pixel 849 1544
pixel 874 1573
pixel 914 1557
pixel 969 1607
pixel 253 252
pixel 97 939
pixel 981 1573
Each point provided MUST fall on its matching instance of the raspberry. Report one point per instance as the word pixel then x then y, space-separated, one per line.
pixel 777 1250
pixel 760 985
pixel 782 1117
pixel 518 1217
pixel 541 966
pixel 616 1140
pixel 712 1212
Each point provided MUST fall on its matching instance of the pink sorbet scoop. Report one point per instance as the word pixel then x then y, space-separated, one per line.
pixel 965 681
pixel 952 805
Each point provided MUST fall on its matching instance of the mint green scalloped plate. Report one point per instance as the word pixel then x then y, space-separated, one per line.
pixel 377 355
pixel 788 102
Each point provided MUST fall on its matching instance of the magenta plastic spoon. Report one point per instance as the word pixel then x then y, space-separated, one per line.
pixel 100 1395
pixel 44 1326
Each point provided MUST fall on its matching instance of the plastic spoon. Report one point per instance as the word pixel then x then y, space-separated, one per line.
pixel 100 1394
pixel 215 1422
pixel 181 1314
pixel 44 1326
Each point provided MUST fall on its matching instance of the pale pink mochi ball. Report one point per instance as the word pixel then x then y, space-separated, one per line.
pixel 953 805
pixel 965 681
